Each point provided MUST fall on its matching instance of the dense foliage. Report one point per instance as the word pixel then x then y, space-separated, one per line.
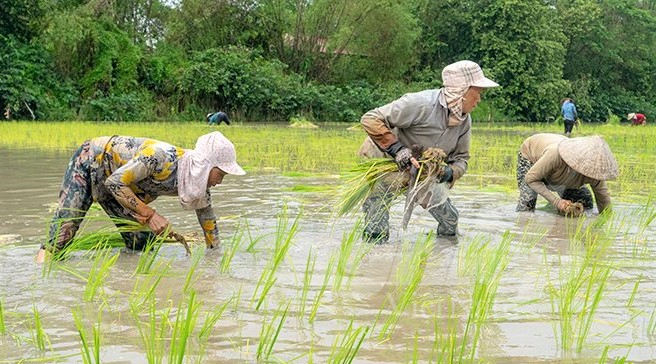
pixel 323 60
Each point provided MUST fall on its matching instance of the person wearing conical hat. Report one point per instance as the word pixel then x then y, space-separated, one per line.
pixel 560 169
pixel 124 174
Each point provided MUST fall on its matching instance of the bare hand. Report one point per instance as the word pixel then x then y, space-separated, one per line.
pixel 158 223
pixel 562 204
pixel 43 256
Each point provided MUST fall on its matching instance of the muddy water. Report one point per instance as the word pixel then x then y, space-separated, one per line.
pixel 518 329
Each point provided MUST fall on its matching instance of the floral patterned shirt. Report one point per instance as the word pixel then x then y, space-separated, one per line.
pixel 145 168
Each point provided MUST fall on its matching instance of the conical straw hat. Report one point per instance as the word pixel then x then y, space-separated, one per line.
pixel 590 156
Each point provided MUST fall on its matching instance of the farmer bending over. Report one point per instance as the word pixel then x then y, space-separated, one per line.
pixel 124 174
pixel 551 162
pixel 216 118
pixel 432 118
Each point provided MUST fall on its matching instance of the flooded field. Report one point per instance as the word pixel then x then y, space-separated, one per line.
pixel 292 283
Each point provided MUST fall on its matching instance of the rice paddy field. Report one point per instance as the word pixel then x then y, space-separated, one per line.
pixel 293 282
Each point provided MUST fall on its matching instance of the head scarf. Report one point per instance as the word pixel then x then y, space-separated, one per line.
pixel 212 150
pixel 457 78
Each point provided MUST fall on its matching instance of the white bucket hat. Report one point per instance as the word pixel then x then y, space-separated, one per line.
pixel 220 152
pixel 631 116
pixel 212 150
pixel 591 156
pixel 465 74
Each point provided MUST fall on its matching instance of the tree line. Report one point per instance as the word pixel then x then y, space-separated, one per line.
pixel 325 60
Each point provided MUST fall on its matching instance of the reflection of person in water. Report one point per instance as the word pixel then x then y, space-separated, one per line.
pixel 553 162
pixel 217 118
pixel 124 174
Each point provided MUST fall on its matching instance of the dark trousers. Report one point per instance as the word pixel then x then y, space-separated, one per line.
pixel 569 125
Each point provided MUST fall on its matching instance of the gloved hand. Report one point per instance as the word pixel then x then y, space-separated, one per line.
pixel 447 174
pixel 401 154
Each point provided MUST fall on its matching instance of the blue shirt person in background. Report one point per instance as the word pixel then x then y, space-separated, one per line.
pixel 217 117
pixel 568 110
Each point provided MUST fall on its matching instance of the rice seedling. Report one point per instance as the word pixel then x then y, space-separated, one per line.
pixel 629 303
pixel 88 356
pixel 98 273
pixel 39 335
pixel 284 236
pixel 575 300
pixel 211 318
pixel 445 342
pixel 322 289
pixel 232 247
pixel 350 256
pixel 494 146
pixel 651 325
pixel 145 286
pixel 346 347
pixel 358 183
pixel 409 274
pixel 149 255
pixel 185 321
pixel 487 264
pixel 3 328
pixel 269 334
pixel 195 260
pixel 153 338
pixel 307 280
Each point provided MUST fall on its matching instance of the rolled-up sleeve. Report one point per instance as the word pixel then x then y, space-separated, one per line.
pixel 402 113
pixel 539 172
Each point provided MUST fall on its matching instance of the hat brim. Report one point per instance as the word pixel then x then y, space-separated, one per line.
pixel 232 168
pixel 589 156
pixel 485 83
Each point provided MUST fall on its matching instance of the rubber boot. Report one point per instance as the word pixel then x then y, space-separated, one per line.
pixel 446 216
pixel 376 220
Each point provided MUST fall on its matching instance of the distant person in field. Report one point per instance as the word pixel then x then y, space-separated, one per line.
pixel 637 119
pixel 124 174
pixel 559 168
pixel 431 118
pixel 217 118
pixel 568 111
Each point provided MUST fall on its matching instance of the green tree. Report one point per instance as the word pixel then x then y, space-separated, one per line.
pixel 610 55
pixel 522 46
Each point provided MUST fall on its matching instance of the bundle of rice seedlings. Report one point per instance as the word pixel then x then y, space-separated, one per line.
pixel 361 179
pixel 359 182
pixel 575 209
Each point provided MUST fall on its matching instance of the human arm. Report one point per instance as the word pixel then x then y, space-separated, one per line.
pixel 542 170
pixel 602 195
pixel 122 182
pixel 207 221
pixel 401 114
pixel 458 159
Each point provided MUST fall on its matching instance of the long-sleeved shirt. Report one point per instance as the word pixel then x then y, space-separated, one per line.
pixel 421 118
pixel 568 110
pixel 128 167
pixel 550 172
